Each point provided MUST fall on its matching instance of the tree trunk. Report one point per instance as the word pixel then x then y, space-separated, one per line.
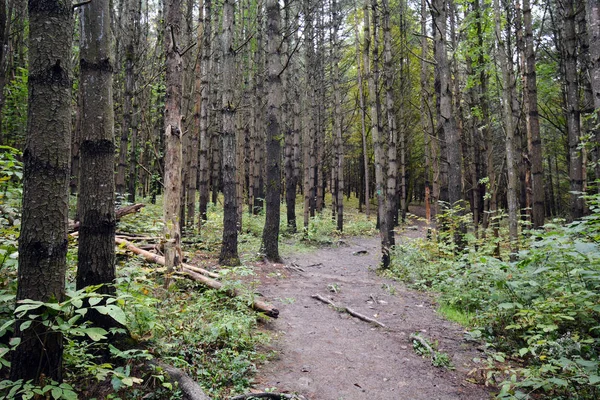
pixel 43 238
pixel 193 134
pixel 376 131
pixel 258 142
pixel 97 220
pixel 5 26
pixel 309 116
pixel 270 238
pixel 509 127
pixel 592 8
pixel 204 111
pixel 447 130
pixel 229 252
pixel 392 165
pixel 173 134
pixel 337 117
pixel 290 123
pixel 534 141
pixel 427 119
pixel 569 47
pixel 363 125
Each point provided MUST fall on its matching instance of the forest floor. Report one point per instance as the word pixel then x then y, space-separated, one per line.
pixel 324 354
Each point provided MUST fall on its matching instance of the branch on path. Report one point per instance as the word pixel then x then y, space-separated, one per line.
pixel 348 310
pixel 198 274
pixel 265 395
pixel 119 213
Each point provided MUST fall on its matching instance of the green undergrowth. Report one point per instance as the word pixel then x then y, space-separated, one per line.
pixel 539 315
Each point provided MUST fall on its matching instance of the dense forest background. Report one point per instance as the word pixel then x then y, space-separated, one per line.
pixel 487 103
pixel 485 112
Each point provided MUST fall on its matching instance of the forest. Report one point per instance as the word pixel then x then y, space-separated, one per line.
pixel 162 161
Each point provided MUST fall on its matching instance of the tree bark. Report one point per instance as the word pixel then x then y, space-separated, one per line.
pixel 309 116
pixel 270 237
pixel 509 127
pixel 363 125
pixel 229 252
pixel 447 130
pixel 534 141
pixel 438 13
pixel 592 8
pixel 97 220
pixel 194 87
pixel 569 47
pixel 289 122
pixel 43 238
pixel 173 134
pixel 204 111
pixel 385 225
pixel 392 165
pixel 337 117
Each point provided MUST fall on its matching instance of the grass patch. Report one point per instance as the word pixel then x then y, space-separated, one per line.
pixel 464 318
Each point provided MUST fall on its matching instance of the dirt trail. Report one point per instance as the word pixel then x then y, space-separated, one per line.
pixel 327 355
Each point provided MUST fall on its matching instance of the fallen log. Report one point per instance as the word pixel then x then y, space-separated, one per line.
pixel 119 213
pixel 157 259
pixel 198 274
pixel 256 304
pixel 190 388
pixel 348 310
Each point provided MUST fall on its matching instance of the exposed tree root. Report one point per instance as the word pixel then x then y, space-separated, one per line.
pixel 348 310
pixel 192 390
pixel 273 396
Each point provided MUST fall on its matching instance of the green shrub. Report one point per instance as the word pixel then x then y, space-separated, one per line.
pixel 542 310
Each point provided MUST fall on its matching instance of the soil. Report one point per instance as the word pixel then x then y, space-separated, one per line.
pixel 325 354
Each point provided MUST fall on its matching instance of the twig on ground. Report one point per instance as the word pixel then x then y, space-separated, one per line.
pixel 348 310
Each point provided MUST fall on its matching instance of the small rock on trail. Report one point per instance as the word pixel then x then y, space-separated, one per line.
pixel 328 355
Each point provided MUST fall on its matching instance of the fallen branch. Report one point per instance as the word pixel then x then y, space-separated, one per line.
pixel 133 236
pixel 190 388
pixel 198 274
pixel 265 395
pixel 256 304
pixel 348 310
pixel 119 213
pixel 157 259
